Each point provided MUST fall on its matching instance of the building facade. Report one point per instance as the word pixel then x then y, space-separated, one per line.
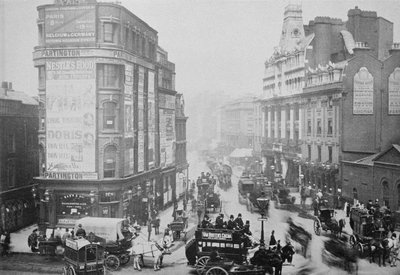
pixel 99 113
pixel 18 158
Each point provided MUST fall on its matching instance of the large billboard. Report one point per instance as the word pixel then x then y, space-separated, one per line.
pixel 70 25
pixel 363 93
pixel 128 119
pixel 394 92
pixel 151 110
pixel 141 120
pixel 70 117
pixel 167 129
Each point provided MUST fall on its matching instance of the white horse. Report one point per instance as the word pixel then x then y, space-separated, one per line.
pixel 141 247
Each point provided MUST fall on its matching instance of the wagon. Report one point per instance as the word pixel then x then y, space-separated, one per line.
pixel 179 226
pixel 326 221
pixel 83 257
pixel 213 203
pixel 112 234
pixel 230 245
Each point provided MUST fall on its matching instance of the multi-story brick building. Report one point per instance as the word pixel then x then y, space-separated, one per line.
pixel 18 158
pixel 99 112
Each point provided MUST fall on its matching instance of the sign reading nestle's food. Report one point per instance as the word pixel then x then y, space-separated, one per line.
pixel 70 25
pixel 217 235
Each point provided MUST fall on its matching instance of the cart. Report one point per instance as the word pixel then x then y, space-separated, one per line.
pixel 326 221
pixel 179 226
pixel 83 257
pixel 213 203
pixel 113 234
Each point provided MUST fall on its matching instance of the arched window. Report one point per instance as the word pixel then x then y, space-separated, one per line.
pixel 386 193
pixel 110 161
pixel 109 115
pixel 355 194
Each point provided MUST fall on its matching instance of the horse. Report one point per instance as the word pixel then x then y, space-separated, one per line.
pixel 336 227
pixel 268 259
pixel 300 235
pixel 337 252
pixel 379 248
pixel 141 247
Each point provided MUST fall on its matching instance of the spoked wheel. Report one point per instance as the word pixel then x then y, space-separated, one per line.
pixel 124 258
pixel 216 270
pixel 68 270
pixel 201 264
pixel 317 227
pixel 360 249
pixel 112 262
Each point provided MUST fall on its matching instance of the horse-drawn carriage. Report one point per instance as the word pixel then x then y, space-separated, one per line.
pixel 282 195
pixel 230 246
pixel 179 225
pixel 251 188
pixel 83 257
pixel 113 235
pixel 368 230
pixel 326 221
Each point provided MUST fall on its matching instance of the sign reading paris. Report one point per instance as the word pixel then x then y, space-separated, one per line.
pixel 70 25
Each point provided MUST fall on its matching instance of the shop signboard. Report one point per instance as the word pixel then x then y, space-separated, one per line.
pixel 363 93
pixel 70 25
pixel 70 115
pixel 151 110
pixel 394 92
pixel 128 119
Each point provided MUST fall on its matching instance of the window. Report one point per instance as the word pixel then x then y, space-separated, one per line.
pixel 309 127
pixel 109 32
pixel 330 102
pixel 330 154
pixel 42 76
pixel 309 152
pixel 109 76
pixel 11 143
pixel 330 127
pixel 109 114
pixel 11 172
pixel 42 123
pixel 110 157
pixel 319 153
pixel 319 127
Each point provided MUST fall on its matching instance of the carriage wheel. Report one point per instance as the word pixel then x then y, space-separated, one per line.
pixel 68 270
pixel 216 270
pixel 352 240
pixel 124 258
pixel 317 227
pixel 112 262
pixel 201 264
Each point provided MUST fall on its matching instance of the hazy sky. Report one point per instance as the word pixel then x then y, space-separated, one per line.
pixel 217 45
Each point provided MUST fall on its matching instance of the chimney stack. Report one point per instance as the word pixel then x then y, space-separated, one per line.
pixel 10 88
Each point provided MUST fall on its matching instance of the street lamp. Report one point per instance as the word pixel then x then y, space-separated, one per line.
pixel 262 202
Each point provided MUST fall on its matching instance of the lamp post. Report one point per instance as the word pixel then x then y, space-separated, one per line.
pixel 262 202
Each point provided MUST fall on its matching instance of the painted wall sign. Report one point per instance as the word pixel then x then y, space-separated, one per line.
pixel 363 93
pixel 70 25
pixel 151 114
pixel 141 120
pixel 216 236
pixel 70 176
pixel 70 115
pixel 394 92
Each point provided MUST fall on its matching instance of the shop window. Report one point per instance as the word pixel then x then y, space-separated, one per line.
pixel 330 127
pixel 109 76
pixel 110 161
pixel 109 115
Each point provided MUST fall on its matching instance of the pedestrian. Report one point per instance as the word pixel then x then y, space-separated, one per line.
pixel 80 232
pixel 287 252
pixel 394 252
pixel 5 241
pixel 231 223
pixel 65 236
pixel 167 240
pixel 157 226
pixel 149 229
pixel 348 206
pixel 33 241
pixel 272 240
pixel 239 221
pixel 58 235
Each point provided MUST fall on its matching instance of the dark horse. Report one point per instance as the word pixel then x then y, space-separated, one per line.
pixel 268 259
pixel 338 253
pixel 378 249
pixel 300 235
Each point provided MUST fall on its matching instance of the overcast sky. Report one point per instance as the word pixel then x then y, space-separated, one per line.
pixel 217 45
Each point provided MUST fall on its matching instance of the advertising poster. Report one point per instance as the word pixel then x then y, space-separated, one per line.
pixel 363 94
pixel 394 92
pixel 141 120
pixel 70 25
pixel 128 101
pixel 70 116
pixel 151 119
pixel 167 137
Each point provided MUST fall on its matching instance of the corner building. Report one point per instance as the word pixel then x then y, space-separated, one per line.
pixel 99 132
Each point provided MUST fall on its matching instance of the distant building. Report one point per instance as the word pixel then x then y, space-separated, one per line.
pixel 18 158
pixel 101 91
pixel 182 166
